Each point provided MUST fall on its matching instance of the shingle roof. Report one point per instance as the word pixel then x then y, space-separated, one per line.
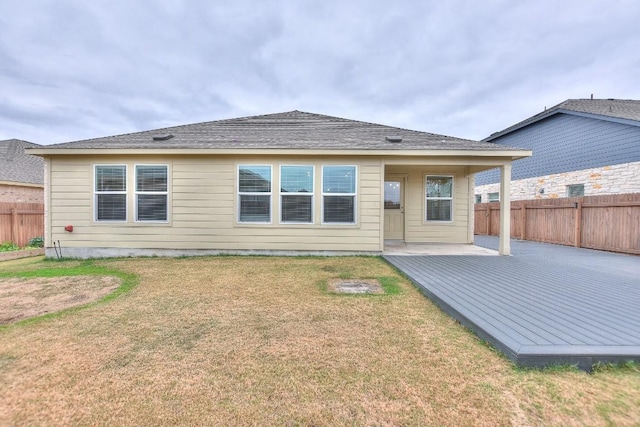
pixel 289 130
pixel 18 166
pixel 626 109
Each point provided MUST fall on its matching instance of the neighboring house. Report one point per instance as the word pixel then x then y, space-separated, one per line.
pixel 580 147
pixel 287 183
pixel 21 174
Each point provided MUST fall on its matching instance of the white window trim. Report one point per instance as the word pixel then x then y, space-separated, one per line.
pixel 355 195
pixel 238 194
pixel 136 193
pixel 489 197
pixel 96 193
pixel 426 199
pixel 312 194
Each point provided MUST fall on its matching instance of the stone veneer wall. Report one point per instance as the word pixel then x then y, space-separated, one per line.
pixel 615 179
pixel 21 194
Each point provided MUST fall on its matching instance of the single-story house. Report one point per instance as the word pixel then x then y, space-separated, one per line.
pixel 583 147
pixel 21 174
pixel 286 183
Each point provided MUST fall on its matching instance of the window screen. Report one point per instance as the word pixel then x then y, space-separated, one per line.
pixel 110 193
pixel 296 189
pixel 338 194
pixel 151 193
pixel 254 193
pixel 439 198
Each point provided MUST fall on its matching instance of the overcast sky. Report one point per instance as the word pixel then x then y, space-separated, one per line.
pixel 72 70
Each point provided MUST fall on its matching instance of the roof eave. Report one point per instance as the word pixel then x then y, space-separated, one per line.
pixel 514 154
pixel 21 184
pixel 547 114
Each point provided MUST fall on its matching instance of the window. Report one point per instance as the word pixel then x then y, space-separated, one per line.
pixel 478 198
pixel 575 190
pixel 392 194
pixel 439 198
pixel 151 193
pixel 110 193
pixel 296 194
pixel 493 197
pixel 339 194
pixel 254 193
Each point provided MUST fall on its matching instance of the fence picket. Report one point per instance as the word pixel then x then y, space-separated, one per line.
pixel 20 222
pixel 609 222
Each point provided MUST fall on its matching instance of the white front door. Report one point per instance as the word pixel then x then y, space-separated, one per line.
pixel 394 209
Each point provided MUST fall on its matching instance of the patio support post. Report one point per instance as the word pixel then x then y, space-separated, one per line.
pixel 505 210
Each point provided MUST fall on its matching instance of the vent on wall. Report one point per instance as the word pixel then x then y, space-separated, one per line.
pixel 395 138
pixel 164 137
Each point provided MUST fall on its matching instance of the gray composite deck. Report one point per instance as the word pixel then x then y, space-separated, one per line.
pixel 537 310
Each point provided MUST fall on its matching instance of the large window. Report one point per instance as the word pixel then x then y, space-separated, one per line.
pixel 110 193
pixel 254 193
pixel 296 194
pixel 151 193
pixel 339 194
pixel 439 200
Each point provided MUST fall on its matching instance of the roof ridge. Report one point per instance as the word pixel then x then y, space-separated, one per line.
pixel 244 118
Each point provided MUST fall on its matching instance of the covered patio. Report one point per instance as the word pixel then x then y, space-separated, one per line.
pixel 429 200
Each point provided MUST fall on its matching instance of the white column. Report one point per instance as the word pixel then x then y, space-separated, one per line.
pixel 471 187
pixel 505 210
pixel 47 203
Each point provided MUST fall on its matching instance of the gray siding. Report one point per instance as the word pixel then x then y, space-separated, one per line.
pixel 564 143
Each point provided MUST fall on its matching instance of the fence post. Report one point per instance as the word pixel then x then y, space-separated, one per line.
pixel 487 217
pixel 523 219
pixel 14 225
pixel 578 235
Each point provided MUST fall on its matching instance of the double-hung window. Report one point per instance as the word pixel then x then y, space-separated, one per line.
pixel 296 194
pixel 254 193
pixel 339 194
pixel 151 193
pixel 439 198
pixel 110 201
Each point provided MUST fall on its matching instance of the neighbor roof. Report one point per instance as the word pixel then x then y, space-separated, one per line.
pixel 290 130
pixel 18 166
pixel 621 110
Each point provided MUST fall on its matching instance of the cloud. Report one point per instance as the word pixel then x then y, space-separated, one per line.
pixel 74 69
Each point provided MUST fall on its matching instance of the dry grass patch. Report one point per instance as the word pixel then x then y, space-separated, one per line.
pixel 261 341
pixel 21 298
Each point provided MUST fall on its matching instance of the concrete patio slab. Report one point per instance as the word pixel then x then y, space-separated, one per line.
pixel 399 247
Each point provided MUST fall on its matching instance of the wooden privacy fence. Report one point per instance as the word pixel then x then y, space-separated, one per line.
pixel 610 222
pixel 20 222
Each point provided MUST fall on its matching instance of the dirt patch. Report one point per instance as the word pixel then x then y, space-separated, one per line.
pixel 21 298
pixel 355 286
pixel 7 256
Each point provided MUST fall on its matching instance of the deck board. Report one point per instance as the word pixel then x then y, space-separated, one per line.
pixel 536 311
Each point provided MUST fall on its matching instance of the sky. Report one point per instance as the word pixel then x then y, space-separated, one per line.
pixel 72 70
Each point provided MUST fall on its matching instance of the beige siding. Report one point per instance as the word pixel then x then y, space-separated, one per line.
pixel 202 208
pixel 417 229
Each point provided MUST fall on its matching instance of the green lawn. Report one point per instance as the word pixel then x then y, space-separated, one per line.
pixel 260 341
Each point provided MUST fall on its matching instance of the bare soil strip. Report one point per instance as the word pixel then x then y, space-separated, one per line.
pixel 21 298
